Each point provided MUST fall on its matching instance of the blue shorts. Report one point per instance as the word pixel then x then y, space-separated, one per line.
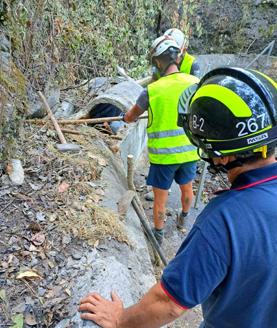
pixel 162 176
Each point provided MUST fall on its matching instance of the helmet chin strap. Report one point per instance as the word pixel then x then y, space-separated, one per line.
pixel 233 164
pixel 216 168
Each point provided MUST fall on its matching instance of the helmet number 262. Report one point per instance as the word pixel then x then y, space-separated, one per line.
pixel 251 125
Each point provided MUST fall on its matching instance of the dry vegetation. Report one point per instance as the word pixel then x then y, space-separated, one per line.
pixel 49 220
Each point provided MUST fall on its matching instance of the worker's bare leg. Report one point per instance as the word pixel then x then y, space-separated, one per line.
pixel 186 200
pixel 186 196
pixel 159 209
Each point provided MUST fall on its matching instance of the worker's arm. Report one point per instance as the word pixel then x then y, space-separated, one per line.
pixel 139 108
pixel 154 310
pixel 133 114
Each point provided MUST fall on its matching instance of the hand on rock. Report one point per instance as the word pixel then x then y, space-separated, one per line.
pixel 103 312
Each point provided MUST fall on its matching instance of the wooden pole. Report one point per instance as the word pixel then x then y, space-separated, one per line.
pixel 53 119
pixel 85 120
pixel 71 131
pixel 140 211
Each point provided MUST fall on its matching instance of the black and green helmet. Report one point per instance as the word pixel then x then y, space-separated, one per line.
pixel 231 111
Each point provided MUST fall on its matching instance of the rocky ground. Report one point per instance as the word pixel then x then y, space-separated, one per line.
pixel 48 222
pixel 233 26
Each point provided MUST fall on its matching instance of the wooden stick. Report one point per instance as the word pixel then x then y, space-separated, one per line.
pixel 53 119
pixel 116 137
pixel 130 172
pixel 71 131
pixel 86 120
pixel 140 211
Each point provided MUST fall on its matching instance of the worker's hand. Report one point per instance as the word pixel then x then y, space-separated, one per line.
pixel 105 313
pixel 133 114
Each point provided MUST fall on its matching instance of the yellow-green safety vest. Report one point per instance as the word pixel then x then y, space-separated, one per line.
pixel 186 63
pixel 167 142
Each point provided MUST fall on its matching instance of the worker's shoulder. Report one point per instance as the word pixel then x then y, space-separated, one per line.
pixel 189 56
pixel 219 207
pixel 189 78
pixel 173 79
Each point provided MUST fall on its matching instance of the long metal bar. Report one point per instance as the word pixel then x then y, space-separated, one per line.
pixel 267 49
pixel 201 185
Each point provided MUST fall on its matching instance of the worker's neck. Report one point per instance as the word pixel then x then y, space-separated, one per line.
pixel 235 172
pixel 171 69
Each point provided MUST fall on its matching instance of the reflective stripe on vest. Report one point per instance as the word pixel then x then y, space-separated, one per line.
pixel 174 150
pixel 187 63
pixel 167 143
pixel 165 134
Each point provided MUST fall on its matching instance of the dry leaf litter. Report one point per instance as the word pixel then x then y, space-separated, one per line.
pixel 52 217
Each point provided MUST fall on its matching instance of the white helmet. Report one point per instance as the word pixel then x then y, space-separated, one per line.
pixel 161 44
pixel 178 36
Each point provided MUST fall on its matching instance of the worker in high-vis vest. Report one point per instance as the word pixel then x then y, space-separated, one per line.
pixel 171 155
pixel 186 63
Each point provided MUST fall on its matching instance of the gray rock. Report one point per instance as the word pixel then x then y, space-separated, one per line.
pixel 5 181
pixel 69 264
pixel 5 191
pixel 5 44
pixel 100 84
pixel 5 61
pixel 92 184
pixel 66 239
pixel 17 174
pixel 65 110
pixel 62 273
pixel 53 97
pixel 34 262
pixel 105 276
pixel 41 291
pixel 149 196
pixel 36 108
pixel 19 308
pixel 40 216
pixel 76 255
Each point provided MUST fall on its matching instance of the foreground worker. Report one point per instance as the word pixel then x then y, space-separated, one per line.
pixel 171 155
pixel 228 262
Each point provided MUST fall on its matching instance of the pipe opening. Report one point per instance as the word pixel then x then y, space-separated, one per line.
pixel 107 110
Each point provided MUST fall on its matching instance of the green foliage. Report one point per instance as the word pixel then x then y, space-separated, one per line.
pixel 68 40
pixel 13 102
pixel 65 41
pixel 18 321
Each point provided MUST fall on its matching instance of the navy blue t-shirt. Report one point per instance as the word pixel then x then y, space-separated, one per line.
pixel 228 262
